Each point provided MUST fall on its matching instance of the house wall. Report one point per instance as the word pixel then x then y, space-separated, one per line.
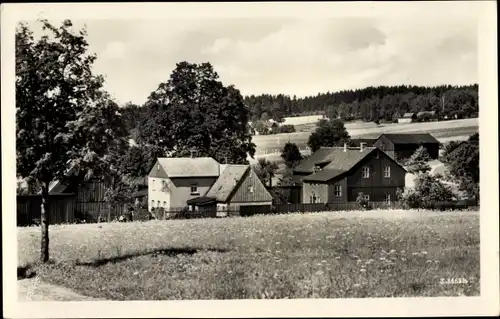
pixel 331 192
pixel 384 144
pixel 313 189
pixel 243 194
pixel 405 120
pixel 176 191
pixel 377 186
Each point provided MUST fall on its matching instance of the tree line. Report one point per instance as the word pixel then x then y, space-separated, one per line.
pixel 369 104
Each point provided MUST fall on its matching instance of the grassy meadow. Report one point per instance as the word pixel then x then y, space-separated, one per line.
pixel 316 255
pixel 443 131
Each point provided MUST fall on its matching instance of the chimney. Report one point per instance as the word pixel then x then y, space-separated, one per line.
pixel 345 147
pixel 361 146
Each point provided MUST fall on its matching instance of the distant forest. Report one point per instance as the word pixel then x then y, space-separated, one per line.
pixel 371 103
pixel 380 103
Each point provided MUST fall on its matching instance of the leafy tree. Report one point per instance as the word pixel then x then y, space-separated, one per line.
pixel 448 148
pixel 330 133
pixel 266 170
pixel 194 111
pixel 63 117
pixel 291 154
pixel 463 166
pixel 264 117
pixel 427 191
pixel 418 162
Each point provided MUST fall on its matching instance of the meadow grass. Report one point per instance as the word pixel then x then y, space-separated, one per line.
pixel 316 255
pixel 445 130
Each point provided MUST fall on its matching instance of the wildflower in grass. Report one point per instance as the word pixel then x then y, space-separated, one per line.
pixel 362 270
pixel 338 257
pixel 392 251
pixel 356 285
pixel 423 252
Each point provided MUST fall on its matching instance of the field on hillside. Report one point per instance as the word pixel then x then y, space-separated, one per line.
pixel 440 130
pixel 317 255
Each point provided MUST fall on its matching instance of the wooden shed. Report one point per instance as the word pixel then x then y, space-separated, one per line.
pixel 62 208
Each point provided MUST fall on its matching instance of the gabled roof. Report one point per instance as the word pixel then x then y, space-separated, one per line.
pixel 341 163
pixel 189 166
pixel 408 115
pixel 410 138
pixel 227 182
pixel 426 112
pixel 335 156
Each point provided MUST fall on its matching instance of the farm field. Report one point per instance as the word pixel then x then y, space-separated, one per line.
pixel 446 130
pixel 380 253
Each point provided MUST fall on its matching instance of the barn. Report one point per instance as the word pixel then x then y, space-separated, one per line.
pixel 408 118
pixel 402 146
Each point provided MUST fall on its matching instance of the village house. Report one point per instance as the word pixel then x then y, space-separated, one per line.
pixel 408 118
pixel 201 183
pixel 426 116
pixel 402 146
pixel 337 175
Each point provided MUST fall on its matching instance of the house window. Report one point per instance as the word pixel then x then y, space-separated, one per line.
pixel 366 172
pixel 250 189
pixel 158 167
pixel 312 198
pixel 388 198
pixel 152 203
pixel 366 197
pixel 338 190
pixel 194 189
pixel 164 204
pixel 387 171
pixel 153 185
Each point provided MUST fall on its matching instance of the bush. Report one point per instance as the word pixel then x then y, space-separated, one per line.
pixel 428 191
pixel 363 203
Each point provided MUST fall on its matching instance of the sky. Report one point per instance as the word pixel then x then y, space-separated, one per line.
pixel 286 55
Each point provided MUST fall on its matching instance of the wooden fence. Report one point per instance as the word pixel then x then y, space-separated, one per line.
pixel 61 209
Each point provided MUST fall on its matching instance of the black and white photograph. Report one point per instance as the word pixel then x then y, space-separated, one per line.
pixel 250 154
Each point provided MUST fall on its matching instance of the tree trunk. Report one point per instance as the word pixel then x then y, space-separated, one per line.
pixel 44 221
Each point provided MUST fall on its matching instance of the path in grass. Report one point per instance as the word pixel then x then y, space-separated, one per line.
pixel 35 290
pixel 317 255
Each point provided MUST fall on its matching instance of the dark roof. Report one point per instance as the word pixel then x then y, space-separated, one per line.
pixel 141 193
pixel 426 112
pixel 200 201
pixel 411 138
pixel 367 141
pixel 336 156
pixel 324 175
